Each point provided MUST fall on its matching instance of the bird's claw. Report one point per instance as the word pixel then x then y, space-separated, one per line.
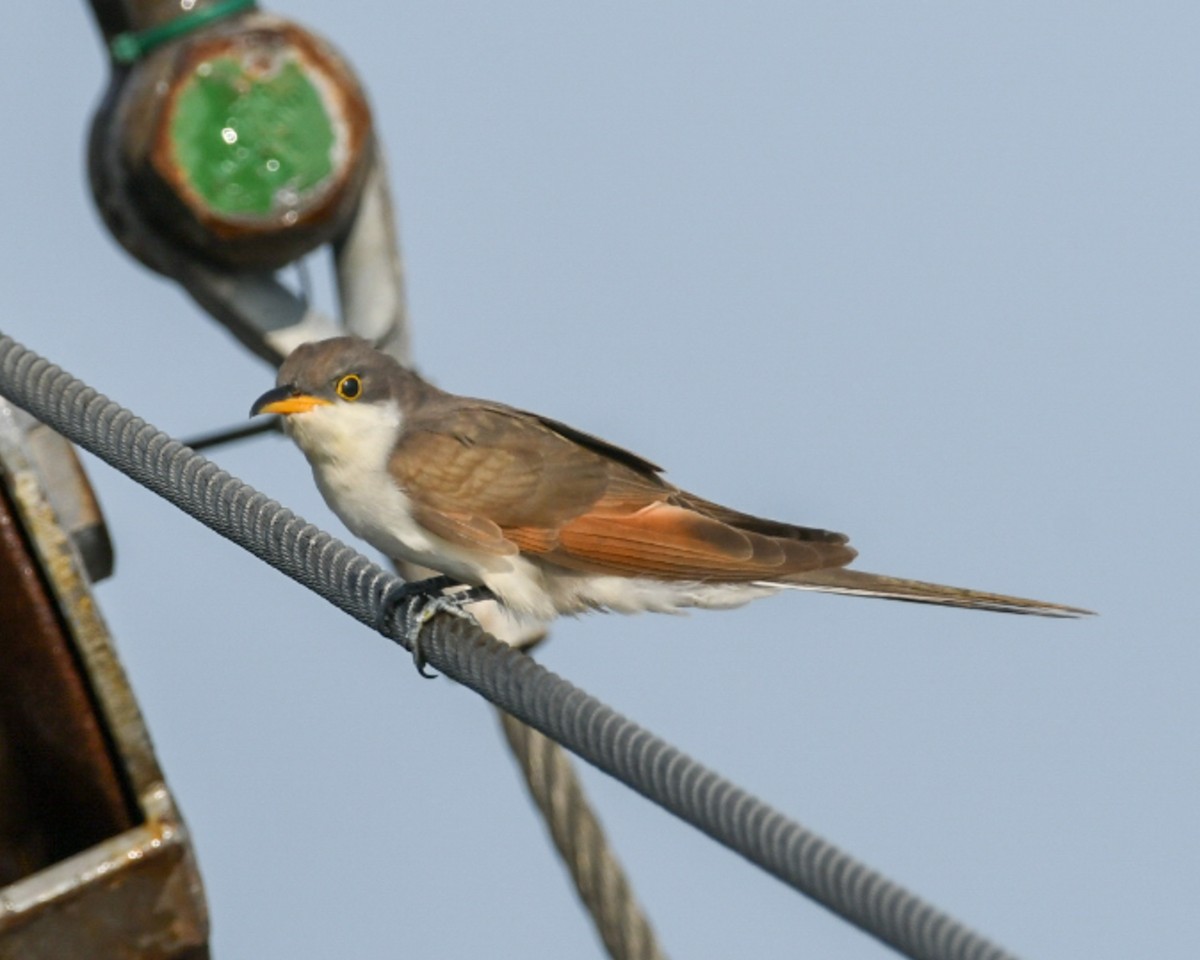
pixel 422 601
pixel 398 593
pixel 420 610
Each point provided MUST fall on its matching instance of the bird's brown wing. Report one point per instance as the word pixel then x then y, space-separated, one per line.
pixel 474 470
pixel 500 480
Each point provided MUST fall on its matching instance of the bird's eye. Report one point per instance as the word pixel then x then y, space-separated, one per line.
pixel 349 387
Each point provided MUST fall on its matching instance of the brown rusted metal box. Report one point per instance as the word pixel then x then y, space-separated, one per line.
pixel 95 860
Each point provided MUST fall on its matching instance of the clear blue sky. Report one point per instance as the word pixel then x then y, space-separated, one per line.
pixel 922 273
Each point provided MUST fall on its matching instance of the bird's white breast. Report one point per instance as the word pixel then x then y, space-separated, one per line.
pixel 348 447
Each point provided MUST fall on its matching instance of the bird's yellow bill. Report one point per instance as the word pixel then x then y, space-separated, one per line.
pixel 283 401
pixel 300 404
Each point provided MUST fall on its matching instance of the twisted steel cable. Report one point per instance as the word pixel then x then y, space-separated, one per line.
pixel 506 677
pixel 580 839
pixel 599 879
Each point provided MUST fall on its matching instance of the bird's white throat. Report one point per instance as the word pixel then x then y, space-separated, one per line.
pixel 358 435
pixel 348 447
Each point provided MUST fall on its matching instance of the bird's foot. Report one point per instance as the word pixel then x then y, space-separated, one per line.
pixel 422 601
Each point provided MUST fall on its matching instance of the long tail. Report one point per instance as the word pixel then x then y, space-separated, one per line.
pixel 858 583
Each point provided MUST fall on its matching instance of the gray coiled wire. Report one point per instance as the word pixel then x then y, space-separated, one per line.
pixel 506 677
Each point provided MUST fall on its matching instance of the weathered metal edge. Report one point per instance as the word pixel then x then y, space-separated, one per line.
pixel 160 844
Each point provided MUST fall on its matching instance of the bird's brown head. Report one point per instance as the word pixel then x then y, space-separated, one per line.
pixel 327 373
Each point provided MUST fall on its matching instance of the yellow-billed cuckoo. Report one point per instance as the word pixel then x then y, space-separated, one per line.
pixel 549 519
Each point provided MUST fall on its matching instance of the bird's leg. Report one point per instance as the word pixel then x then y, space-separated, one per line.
pixel 422 601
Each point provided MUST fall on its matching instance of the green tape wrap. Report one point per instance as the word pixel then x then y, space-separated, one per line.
pixel 130 47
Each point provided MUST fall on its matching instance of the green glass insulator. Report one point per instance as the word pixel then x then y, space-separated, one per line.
pixel 251 145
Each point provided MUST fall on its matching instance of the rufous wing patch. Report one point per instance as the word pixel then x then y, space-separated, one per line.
pixel 672 542
pixel 532 539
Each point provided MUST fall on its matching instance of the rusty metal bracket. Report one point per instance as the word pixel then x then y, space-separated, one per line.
pixel 95 860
